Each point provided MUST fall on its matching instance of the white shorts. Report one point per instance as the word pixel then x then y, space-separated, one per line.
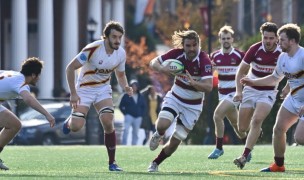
pixel 293 105
pixel 188 114
pixel 252 96
pixel 229 97
pixel 94 94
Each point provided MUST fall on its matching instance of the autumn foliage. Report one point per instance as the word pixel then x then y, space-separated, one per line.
pixel 138 58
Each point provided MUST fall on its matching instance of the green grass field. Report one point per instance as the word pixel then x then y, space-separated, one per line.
pixel 188 162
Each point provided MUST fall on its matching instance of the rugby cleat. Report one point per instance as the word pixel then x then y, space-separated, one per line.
pixel 65 128
pixel 154 143
pixel 240 162
pixel 153 167
pixel 216 153
pixel 274 168
pixel 249 157
pixel 2 166
pixel 114 167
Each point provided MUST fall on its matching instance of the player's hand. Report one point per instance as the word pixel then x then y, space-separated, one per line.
pixel 51 120
pixel 190 79
pixel 238 97
pixel 166 69
pixel 284 92
pixel 246 81
pixel 74 100
pixel 129 90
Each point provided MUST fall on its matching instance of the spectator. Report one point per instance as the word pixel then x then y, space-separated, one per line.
pixel 133 108
pixel 153 103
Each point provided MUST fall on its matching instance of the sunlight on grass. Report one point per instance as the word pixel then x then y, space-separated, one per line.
pixel 189 162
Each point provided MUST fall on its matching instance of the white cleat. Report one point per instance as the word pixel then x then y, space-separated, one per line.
pixel 153 167
pixel 2 166
pixel 154 143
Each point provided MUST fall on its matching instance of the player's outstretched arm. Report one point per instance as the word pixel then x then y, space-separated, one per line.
pixel 123 82
pixel 33 103
pixel 156 66
pixel 202 85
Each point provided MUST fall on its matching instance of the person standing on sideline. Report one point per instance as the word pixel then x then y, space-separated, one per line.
pixel 256 101
pixel 133 108
pixel 290 65
pixel 12 85
pixel 184 100
pixel 97 62
pixel 226 61
pixel 153 103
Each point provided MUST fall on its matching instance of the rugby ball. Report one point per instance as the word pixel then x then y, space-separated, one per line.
pixel 175 66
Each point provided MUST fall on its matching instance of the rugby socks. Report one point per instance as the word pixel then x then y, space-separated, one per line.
pixel 246 152
pixel 161 157
pixel 110 143
pixel 279 161
pixel 219 143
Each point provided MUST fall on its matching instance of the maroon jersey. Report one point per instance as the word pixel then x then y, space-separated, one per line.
pixel 227 65
pixel 200 68
pixel 262 62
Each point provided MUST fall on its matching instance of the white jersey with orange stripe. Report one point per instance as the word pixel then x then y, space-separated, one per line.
pixel 12 83
pixel 293 69
pixel 98 65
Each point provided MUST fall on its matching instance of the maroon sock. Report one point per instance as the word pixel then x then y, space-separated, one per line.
pixel 110 143
pixel 161 157
pixel 279 161
pixel 219 143
pixel 246 152
pixel 244 140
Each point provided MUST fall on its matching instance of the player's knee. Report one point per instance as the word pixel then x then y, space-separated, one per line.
pixel 180 132
pixel 77 121
pixel 106 112
pixel 78 115
pixel 166 115
pixel 242 129
pixel 299 139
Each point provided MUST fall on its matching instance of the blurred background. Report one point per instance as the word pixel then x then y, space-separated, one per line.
pixel 56 30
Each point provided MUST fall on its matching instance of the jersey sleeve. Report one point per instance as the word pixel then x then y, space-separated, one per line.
pixel 20 85
pixel 171 54
pixel 87 53
pixel 249 55
pixel 206 67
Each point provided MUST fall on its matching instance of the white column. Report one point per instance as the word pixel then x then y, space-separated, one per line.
pixel 46 47
pixel 119 14
pixel 70 36
pixel 95 12
pixel 107 11
pixel 19 33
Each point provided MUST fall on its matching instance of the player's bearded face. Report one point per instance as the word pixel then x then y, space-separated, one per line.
pixel 191 48
pixel 284 42
pixel 115 39
pixel 35 79
pixel 269 40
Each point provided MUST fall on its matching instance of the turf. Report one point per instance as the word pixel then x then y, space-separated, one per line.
pixel 188 162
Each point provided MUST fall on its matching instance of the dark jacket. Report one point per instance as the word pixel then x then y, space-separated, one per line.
pixel 128 106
